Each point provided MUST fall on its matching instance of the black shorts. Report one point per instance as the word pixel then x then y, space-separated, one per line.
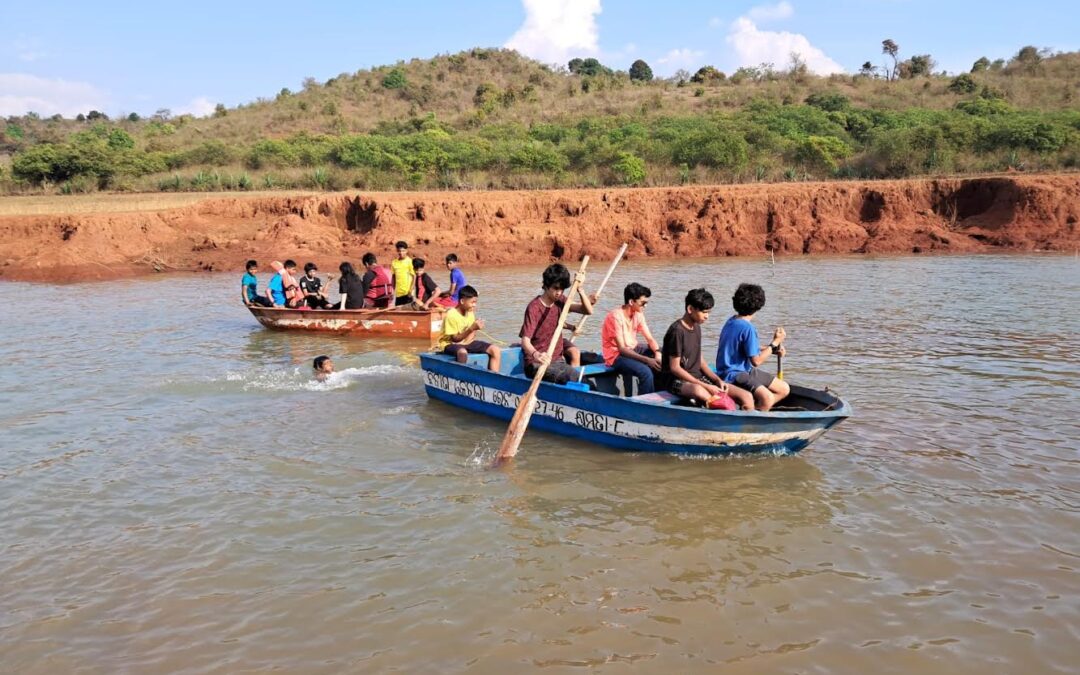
pixel 558 371
pixel 754 378
pixel 474 347
pixel 676 385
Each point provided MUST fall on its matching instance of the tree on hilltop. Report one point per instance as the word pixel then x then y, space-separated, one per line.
pixel 980 65
pixel 589 66
pixel 707 75
pixel 892 49
pixel 640 71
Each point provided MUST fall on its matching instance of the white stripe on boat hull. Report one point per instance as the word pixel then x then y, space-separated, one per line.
pixel 601 423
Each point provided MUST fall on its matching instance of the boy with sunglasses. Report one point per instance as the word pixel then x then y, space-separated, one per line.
pixel 620 346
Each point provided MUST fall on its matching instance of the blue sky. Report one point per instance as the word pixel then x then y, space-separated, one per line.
pixel 121 57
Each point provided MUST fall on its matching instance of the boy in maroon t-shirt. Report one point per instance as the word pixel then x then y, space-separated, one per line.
pixel 541 320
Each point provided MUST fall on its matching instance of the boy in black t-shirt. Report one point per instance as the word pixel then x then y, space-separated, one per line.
pixel 311 286
pixel 683 370
pixel 425 290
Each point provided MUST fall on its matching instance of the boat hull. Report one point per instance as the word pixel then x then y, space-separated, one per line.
pixel 631 424
pixel 373 322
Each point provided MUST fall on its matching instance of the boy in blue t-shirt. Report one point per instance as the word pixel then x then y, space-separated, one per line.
pixel 249 286
pixel 739 354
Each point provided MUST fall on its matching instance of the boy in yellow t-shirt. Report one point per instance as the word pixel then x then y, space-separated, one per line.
pixel 404 277
pixel 460 325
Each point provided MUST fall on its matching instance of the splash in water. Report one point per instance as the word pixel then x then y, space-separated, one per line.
pixel 301 379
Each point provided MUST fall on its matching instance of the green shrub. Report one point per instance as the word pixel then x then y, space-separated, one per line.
pixel 395 79
pixel 537 156
pixel 963 84
pixel 822 152
pixel 275 153
pixel 829 102
pixel 629 169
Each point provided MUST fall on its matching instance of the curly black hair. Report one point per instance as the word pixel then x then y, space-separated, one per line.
pixel 557 276
pixel 748 299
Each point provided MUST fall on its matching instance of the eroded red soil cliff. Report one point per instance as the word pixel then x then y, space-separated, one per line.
pixel 490 228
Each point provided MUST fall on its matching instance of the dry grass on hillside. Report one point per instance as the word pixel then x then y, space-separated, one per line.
pixel 111 202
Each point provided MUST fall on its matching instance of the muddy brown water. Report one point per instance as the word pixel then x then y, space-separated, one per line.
pixel 179 496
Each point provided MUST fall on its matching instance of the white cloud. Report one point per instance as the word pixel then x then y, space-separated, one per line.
pixel 557 30
pixel 681 58
pixel 200 106
pixel 21 93
pixel 781 10
pixel 754 46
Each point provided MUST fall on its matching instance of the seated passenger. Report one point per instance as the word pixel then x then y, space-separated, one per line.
pixel 425 290
pixel 541 320
pixel 683 370
pixel 460 326
pixel 618 339
pixel 457 282
pixel 351 288
pixel 311 287
pixel 249 286
pixel 294 297
pixel 740 354
pixel 378 284
pixel 275 288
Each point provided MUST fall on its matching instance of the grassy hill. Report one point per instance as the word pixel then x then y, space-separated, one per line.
pixel 492 118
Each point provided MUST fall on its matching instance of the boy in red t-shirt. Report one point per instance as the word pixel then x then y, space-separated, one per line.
pixel 541 320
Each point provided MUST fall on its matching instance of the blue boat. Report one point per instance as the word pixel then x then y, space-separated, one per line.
pixel 595 411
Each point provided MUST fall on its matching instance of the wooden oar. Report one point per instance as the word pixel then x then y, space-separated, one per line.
pixel 611 268
pixel 524 411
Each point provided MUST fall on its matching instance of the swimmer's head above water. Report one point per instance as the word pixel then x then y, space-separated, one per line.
pixel 323 366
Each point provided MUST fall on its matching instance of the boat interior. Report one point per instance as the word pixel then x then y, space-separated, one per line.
pixel 602 379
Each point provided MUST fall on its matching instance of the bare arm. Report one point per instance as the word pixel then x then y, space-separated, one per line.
pixel 464 335
pixel 532 353
pixel 649 339
pixel 778 339
pixel 585 306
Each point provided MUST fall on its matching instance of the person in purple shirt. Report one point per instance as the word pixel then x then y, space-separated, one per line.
pixel 740 354
pixel 457 282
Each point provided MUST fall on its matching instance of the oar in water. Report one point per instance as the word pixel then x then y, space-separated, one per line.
pixel 523 414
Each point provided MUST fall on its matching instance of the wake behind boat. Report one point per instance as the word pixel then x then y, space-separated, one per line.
pixel 647 423
pixel 393 322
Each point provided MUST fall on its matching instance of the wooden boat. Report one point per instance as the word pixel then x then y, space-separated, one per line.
pixel 401 323
pixel 647 423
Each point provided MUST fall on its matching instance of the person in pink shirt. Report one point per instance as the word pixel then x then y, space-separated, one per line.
pixel 619 339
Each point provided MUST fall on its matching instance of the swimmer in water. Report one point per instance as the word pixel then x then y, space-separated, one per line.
pixel 323 367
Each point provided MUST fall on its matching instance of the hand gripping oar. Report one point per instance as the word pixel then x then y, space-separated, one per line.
pixel 578 329
pixel 524 411
pixel 600 289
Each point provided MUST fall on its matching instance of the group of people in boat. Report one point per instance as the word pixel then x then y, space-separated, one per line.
pixel 404 282
pixel 677 366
